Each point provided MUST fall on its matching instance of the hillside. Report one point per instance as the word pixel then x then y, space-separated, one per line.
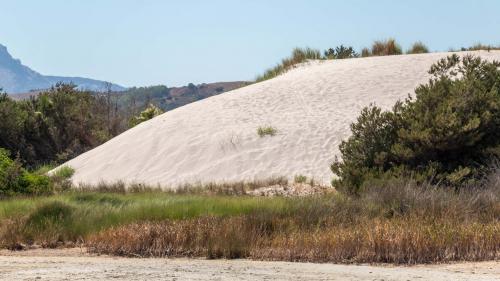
pixel 18 78
pixel 170 98
pixel 216 139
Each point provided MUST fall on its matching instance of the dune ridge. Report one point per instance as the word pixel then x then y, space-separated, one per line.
pixel 216 140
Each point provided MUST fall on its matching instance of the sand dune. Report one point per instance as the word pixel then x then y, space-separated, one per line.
pixel 215 139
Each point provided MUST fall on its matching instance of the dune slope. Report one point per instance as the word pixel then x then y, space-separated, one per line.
pixel 216 140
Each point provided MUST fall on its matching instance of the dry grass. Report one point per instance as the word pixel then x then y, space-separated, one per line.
pixel 398 223
pixel 408 241
pixel 418 48
pixel 383 48
pixel 298 56
pixel 479 47
pixel 394 222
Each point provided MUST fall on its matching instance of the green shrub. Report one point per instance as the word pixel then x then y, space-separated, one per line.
pixel 448 133
pixel 386 48
pixel 341 52
pixel 418 48
pixel 149 113
pixel 15 180
pixel 266 131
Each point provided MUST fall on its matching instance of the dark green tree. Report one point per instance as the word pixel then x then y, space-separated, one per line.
pixel 447 134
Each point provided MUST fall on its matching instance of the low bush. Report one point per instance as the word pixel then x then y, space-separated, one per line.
pixel 340 52
pixel 15 180
pixel 149 113
pixel 447 134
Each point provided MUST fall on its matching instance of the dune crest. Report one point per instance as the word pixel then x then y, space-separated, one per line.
pixel 216 140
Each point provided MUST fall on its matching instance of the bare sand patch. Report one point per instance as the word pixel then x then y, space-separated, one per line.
pixel 76 264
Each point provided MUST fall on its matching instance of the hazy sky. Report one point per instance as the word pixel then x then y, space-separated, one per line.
pixel 177 42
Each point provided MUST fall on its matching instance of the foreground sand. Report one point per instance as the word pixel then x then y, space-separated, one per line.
pixel 74 264
pixel 216 139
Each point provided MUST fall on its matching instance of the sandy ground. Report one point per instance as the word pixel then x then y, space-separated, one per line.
pixel 75 264
pixel 216 140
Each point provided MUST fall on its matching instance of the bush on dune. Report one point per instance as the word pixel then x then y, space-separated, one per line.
pixel 481 47
pixel 341 52
pixel 418 48
pixel 147 114
pixel 447 134
pixel 386 48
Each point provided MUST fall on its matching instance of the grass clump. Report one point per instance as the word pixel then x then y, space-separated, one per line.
pixel 299 55
pixel 386 47
pixel 300 179
pixel 267 131
pixel 418 48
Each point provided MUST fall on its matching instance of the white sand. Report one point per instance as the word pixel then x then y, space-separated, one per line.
pixel 72 264
pixel 215 139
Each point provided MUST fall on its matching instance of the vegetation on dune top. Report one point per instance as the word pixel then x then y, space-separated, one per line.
pixel 298 56
pixel 418 48
pixel 385 47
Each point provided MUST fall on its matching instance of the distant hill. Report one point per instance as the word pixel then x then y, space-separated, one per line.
pixel 170 98
pixel 18 78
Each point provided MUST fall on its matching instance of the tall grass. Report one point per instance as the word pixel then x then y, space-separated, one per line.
pixel 479 47
pixel 386 47
pixel 399 223
pixel 396 222
pixel 418 48
pixel 70 218
pixel 299 55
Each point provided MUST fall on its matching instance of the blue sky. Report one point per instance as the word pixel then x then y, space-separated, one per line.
pixel 176 42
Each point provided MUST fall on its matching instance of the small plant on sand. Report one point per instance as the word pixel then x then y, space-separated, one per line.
pixel 300 179
pixel 418 48
pixel 266 131
pixel 61 178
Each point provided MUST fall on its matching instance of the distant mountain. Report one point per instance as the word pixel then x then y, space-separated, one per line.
pixel 18 78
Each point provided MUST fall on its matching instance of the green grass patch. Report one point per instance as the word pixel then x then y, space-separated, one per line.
pixel 266 131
